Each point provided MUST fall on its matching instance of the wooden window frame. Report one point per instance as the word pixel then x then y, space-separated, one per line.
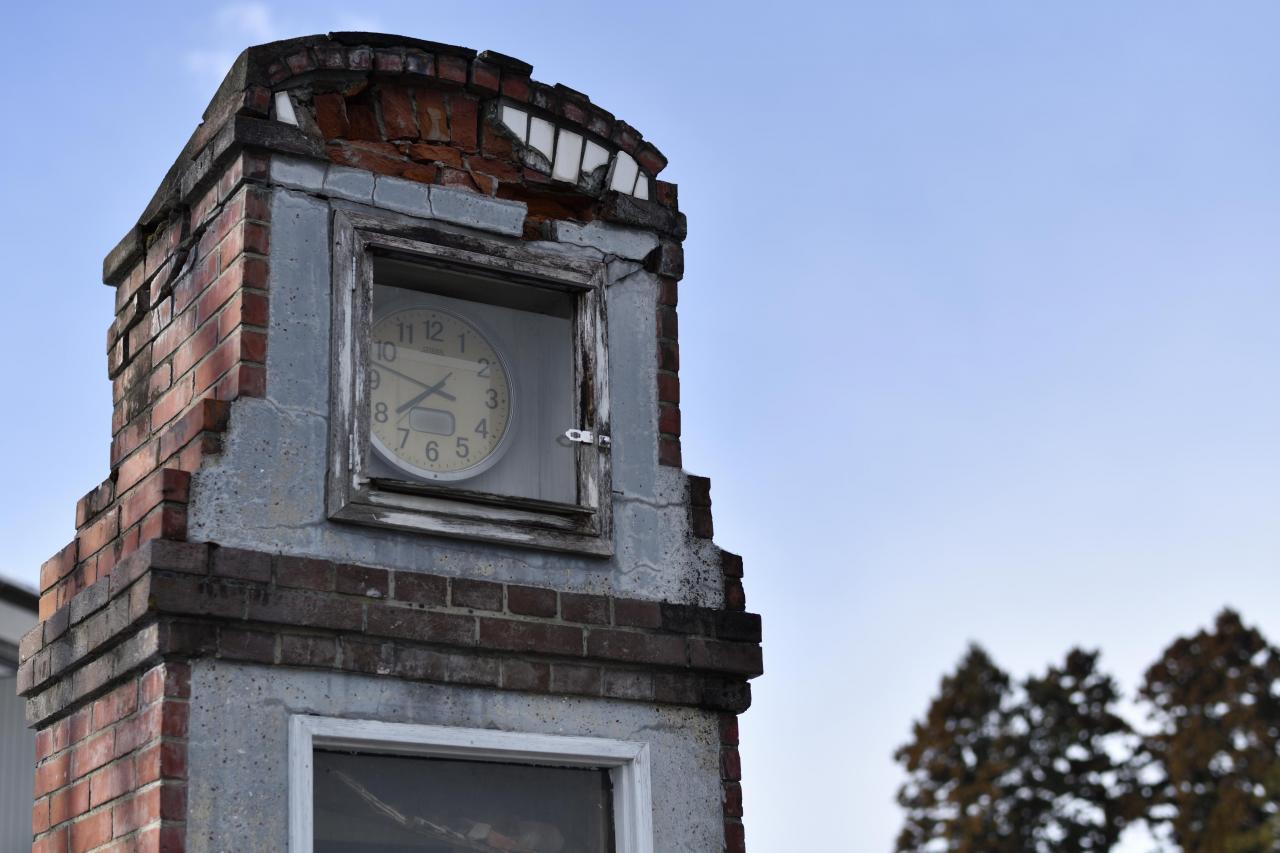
pixel 628 764
pixel 351 495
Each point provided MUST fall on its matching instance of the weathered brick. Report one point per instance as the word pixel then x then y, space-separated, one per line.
pixel 421 664
pixel 730 764
pixel 669 355
pixel 91 831
pixel 110 782
pixel 241 564
pixel 136 811
pixel 526 675
pixel 729 729
pixel 700 522
pixel 390 621
pixel 669 419
pixel 628 684
pixel 304 573
pixel 245 308
pixel 484 78
pixel 471 669
pixel 94 501
pixel 735 840
pixel 365 656
pixel 575 678
pixel 40 815
pixel 733 799
pixel 331 115
pixel 54 842
pixel 167 521
pixel 52 774
pixel 175 717
pixel 173 402
pixel 478 595
pixel 539 637
pixel 634 647
pixel 117 704
pixel 451 69
pixel 389 60
pixel 740 658
pixel 668 388
pixel 398 113
pixel 420 63
pixel 735 597
pixel 58 566
pixel 106 528
pixel 743 627
pixel 295 607
pixel 464 122
pixel 420 589
pixel 303 650
pixel 362 580
pixel 588 609
pixel 362 122
pixel 167 484
pixel 433 115
pixel 300 62
pixel 240 644
pixel 515 86
pixel 427 153
pixel 677 687
pixel 206 415
pixel 66 803
pixel 79 728
pixel 650 159
pixel 669 451
pixel 330 56
pixel 92 754
pixel 637 613
pixel 531 601
pixel 199 596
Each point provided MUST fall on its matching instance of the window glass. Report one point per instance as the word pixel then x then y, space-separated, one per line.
pixel 471 383
pixel 382 803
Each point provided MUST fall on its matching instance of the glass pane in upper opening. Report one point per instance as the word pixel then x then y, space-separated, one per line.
pixel 471 382
pixel 384 803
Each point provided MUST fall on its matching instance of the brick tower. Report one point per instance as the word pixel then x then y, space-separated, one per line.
pixel 396 552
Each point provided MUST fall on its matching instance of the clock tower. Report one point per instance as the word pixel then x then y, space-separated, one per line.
pixel 396 552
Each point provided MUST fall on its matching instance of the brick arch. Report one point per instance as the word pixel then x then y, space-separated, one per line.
pixel 442 114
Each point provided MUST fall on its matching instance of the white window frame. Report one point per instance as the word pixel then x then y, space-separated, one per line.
pixel 626 761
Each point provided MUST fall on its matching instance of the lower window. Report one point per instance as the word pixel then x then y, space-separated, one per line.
pixel 361 785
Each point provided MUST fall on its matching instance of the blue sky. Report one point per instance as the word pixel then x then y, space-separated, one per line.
pixel 978 327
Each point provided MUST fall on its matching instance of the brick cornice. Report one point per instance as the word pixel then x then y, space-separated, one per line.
pixel 178 599
pixel 238 116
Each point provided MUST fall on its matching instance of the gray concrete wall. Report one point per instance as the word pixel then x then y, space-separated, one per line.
pixel 238 749
pixel 266 490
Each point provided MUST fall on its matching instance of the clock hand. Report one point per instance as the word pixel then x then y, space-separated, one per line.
pixel 434 389
pixel 437 388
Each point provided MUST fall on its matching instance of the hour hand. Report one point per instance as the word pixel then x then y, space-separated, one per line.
pixel 438 388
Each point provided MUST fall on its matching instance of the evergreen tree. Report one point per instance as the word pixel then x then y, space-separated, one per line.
pixel 1068 777
pixel 1216 749
pixel 954 763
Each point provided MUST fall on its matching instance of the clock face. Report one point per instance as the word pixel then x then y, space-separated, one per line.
pixel 440 397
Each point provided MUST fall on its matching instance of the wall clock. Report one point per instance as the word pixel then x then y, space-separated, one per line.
pixel 441 398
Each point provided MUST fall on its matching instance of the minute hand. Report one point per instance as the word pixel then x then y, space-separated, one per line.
pixel 434 389
pixel 438 390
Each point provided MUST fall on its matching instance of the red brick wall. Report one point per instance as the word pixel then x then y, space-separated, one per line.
pixel 112 776
pixel 189 336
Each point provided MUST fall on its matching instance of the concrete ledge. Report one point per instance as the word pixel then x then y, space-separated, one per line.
pixel 185 599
